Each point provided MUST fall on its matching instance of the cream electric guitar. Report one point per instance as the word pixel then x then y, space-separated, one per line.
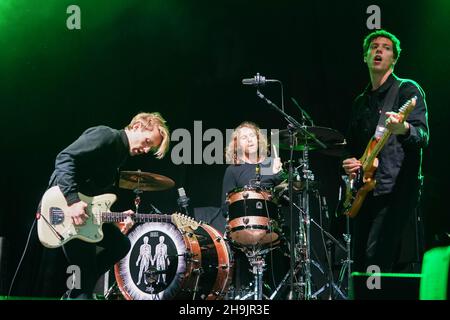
pixel 55 228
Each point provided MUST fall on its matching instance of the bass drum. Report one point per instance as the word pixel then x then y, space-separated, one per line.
pixel 165 263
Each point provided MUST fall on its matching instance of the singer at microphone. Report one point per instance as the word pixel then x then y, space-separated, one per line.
pixel 257 80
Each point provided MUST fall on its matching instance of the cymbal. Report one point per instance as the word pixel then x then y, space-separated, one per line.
pixel 333 139
pixel 144 181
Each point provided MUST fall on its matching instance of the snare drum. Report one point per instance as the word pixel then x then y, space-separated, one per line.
pixel 165 263
pixel 252 217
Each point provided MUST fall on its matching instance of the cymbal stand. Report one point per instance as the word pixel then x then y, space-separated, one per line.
pixel 346 263
pixel 293 125
pixel 256 258
pixel 305 220
pixel 137 199
pixel 138 192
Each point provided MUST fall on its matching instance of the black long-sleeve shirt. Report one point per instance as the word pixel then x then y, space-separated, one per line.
pixel 90 164
pixel 400 158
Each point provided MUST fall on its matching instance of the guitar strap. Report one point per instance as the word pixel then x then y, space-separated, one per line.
pixel 391 96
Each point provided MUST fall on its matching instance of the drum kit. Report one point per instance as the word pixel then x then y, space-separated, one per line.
pixel 177 257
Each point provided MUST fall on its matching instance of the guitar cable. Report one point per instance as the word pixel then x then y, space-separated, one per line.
pixel 38 216
pixel 21 259
pixel 50 226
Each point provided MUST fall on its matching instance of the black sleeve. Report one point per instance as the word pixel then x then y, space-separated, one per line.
pixel 417 119
pixel 71 164
pixel 228 184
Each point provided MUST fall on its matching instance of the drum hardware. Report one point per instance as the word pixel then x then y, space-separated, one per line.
pixel 152 274
pixel 294 128
pixel 345 268
pixel 301 137
pixel 113 290
pixel 345 264
pixel 257 262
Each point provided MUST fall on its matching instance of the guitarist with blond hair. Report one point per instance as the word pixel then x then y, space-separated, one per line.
pixel 90 166
pixel 387 131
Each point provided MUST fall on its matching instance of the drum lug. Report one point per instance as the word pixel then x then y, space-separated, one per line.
pixel 189 256
pixel 198 271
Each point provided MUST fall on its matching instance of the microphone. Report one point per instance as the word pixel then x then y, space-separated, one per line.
pixel 257 80
pixel 183 200
pixel 258 173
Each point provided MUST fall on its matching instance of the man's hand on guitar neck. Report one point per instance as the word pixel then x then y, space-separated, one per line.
pixel 395 123
pixel 77 212
pixel 128 223
pixel 351 166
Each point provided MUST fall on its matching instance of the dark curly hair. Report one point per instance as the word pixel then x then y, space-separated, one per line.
pixel 382 33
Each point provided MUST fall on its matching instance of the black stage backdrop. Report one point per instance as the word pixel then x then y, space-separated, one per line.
pixel 186 59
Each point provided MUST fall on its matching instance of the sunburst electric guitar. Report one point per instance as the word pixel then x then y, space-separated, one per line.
pixel 357 188
pixel 55 227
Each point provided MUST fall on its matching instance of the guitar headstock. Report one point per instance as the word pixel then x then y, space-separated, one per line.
pixel 182 221
pixel 407 107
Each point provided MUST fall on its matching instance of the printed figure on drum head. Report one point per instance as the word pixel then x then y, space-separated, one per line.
pixel 162 260
pixel 144 259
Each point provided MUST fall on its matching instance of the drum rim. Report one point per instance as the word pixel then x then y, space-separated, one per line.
pixel 252 189
pixel 120 277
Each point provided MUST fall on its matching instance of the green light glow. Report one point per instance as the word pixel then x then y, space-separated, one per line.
pixel 391 275
pixel 435 269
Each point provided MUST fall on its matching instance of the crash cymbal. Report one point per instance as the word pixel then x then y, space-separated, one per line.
pixel 333 140
pixel 144 181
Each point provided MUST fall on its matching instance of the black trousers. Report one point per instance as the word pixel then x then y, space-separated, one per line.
pixel 385 234
pixel 93 263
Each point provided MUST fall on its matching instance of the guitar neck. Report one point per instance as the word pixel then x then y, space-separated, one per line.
pixel 138 217
pixel 376 150
pixel 403 112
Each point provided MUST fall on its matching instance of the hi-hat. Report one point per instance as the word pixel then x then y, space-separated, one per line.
pixel 333 140
pixel 144 181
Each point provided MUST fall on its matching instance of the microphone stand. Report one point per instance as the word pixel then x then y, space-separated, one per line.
pixel 292 126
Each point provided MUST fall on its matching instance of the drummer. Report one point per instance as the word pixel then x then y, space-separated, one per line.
pixel 249 166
